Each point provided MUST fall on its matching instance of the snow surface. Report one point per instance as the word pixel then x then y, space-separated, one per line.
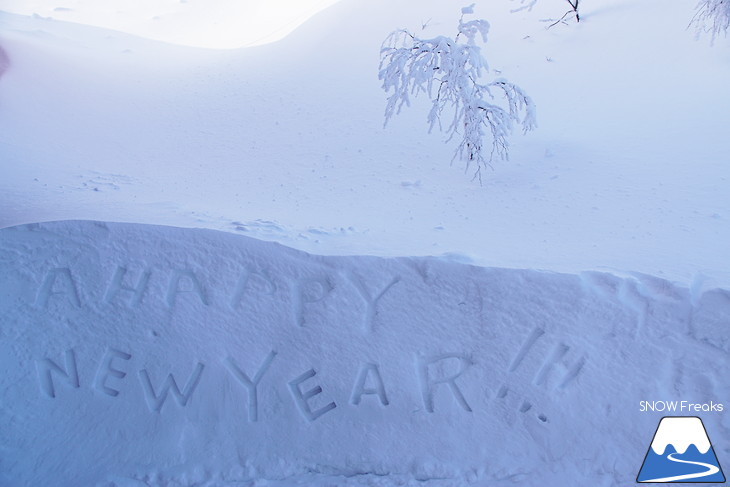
pixel 428 371
pixel 215 24
pixel 587 274
pixel 626 172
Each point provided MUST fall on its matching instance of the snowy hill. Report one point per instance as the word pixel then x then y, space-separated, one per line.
pixel 493 334
pixel 626 171
pixel 216 24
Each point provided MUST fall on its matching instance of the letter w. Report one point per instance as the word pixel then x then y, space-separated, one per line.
pixel 156 401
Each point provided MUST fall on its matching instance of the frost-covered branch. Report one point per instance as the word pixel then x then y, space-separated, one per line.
pixel 528 4
pixel 449 71
pixel 712 16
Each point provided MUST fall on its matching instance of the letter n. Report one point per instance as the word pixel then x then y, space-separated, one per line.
pixel 47 368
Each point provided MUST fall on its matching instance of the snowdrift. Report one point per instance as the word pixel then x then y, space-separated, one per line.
pixel 149 355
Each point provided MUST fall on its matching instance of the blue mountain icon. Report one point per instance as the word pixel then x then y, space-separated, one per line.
pixel 680 452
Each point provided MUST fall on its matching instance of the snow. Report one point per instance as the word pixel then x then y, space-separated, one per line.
pixel 213 24
pixel 207 208
pixel 168 356
pixel 626 172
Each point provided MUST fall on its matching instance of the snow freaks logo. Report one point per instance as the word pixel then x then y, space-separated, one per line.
pixel 680 452
pixel 681 407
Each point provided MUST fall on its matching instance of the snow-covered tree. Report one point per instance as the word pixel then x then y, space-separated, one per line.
pixel 712 16
pixel 450 71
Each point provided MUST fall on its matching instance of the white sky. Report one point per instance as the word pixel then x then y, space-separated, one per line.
pixel 216 24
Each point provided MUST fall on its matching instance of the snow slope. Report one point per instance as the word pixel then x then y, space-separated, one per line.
pixel 627 171
pixel 217 24
pixel 366 371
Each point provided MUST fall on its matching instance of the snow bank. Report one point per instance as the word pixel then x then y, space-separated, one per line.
pixel 147 355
